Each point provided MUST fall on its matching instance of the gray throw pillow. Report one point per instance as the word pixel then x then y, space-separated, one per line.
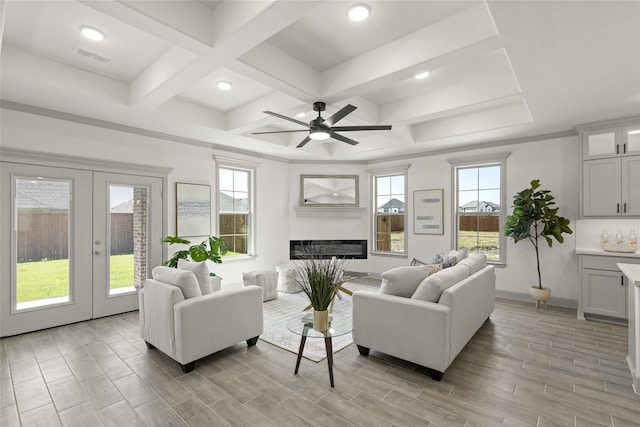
pixel 201 271
pixel 403 281
pixel 183 279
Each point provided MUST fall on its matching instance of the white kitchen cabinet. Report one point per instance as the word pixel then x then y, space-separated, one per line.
pixel 610 187
pixel 604 293
pixel 603 288
pixel 607 142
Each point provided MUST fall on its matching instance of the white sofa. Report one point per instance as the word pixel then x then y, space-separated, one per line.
pixel 187 326
pixel 400 322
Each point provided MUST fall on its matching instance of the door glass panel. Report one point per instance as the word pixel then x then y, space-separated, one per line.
pixel 128 231
pixel 42 242
pixel 633 140
pixel 602 143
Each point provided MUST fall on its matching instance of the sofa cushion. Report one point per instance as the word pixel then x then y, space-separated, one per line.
pixel 432 287
pixel 403 281
pixel 183 279
pixel 458 255
pixel 201 270
pixel 475 262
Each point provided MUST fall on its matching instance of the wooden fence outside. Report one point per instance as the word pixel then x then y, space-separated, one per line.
pixel 479 221
pixel 45 235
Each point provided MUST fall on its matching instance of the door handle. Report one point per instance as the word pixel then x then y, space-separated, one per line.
pixel 618 208
pixel 624 207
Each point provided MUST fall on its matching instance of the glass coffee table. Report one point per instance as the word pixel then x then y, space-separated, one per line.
pixel 305 330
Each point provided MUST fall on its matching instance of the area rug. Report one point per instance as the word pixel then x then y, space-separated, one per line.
pixel 278 312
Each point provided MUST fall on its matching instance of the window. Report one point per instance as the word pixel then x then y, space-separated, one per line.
pixel 235 210
pixel 478 206
pixel 390 213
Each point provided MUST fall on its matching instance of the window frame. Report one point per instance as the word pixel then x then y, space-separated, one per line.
pixel 374 210
pixel 250 168
pixel 498 159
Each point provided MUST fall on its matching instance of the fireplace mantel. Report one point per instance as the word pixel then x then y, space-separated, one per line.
pixel 335 211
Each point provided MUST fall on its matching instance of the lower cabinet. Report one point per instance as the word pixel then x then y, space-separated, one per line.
pixel 603 288
pixel 604 293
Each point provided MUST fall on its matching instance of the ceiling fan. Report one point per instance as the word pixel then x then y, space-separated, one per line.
pixel 321 129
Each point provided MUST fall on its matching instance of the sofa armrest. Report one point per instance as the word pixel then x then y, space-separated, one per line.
pixel 216 321
pixel 413 330
pixel 157 300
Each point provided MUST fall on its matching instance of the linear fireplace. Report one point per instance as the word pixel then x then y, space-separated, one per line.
pixel 348 249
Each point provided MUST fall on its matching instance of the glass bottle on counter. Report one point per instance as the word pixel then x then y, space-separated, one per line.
pixel 604 240
pixel 633 241
pixel 619 241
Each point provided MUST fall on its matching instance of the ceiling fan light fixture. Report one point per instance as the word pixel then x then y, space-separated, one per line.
pixel 358 12
pixel 319 135
pixel 224 85
pixel 422 75
pixel 302 114
pixel 92 33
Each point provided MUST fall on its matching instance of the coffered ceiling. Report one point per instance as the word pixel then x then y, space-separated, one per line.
pixel 499 70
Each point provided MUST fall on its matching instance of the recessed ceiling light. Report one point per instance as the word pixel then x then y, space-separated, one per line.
pixel 422 75
pixel 92 33
pixel 301 114
pixel 358 12
pixel 222 85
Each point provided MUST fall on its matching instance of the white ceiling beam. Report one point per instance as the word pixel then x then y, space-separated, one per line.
pixel 462 30
pixel 480 121
pixel 135 17
pixel 3 14
pixel 250 116
pixel 464 94
pixel 263 25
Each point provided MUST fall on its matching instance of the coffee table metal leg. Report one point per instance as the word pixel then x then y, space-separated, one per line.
pixel 328 345
pixel 302 341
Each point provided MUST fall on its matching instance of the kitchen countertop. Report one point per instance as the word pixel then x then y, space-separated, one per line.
pixel 632 271
pixel 600 252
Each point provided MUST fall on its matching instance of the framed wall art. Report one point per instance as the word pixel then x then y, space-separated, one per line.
pixel 427 212
pixel 193 210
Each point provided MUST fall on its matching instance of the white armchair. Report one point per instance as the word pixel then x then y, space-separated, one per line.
pixel 192 328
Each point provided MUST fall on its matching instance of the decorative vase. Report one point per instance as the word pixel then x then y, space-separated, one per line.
pixel 540 295
pixel 321 320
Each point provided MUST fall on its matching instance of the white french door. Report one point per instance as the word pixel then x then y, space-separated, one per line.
pixel 75 244
pixel 127 218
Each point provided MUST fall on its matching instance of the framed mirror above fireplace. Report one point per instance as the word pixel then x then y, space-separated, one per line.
pixel 328 190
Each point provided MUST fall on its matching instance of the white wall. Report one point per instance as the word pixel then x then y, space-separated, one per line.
pixel 555 162
pixel 192 164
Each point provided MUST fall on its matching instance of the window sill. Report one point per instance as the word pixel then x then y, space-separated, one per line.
pixel 235 259
pixel 390 254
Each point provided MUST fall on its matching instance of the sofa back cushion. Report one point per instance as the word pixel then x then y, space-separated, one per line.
pixel 201 270
pixel 403 281
pixel 432 287
pixel 184 279
pixel 475 263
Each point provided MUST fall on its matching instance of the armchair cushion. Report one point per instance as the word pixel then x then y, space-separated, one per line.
pixel 183 279
pixel 403 281
pixel 201 271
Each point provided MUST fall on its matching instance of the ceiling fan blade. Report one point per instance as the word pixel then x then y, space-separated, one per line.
pixel 342 138
pixel 303 143
pixel 364 127
pixel 280 116
pixel 340 115
pixel 279 131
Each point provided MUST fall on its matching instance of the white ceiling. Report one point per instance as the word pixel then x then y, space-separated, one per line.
pixel 500 70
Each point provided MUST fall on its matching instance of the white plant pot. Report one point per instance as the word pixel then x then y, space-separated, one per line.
pixel 540 295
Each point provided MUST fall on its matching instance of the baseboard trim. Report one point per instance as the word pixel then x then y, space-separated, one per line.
pixel 520 296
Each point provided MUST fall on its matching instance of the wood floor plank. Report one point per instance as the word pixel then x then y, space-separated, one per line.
pixel 522 358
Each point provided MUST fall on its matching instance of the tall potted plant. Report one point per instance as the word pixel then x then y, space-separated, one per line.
pixel 319 278
pixel 534 216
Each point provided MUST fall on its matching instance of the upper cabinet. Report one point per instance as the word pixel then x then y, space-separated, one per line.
pixel 611 142
pixel 611 169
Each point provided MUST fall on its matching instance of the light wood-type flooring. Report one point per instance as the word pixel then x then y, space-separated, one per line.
pixel 525 367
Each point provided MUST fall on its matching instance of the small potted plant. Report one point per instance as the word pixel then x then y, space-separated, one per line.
pixel 197 253
pixel 319 278
pixel 534 216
